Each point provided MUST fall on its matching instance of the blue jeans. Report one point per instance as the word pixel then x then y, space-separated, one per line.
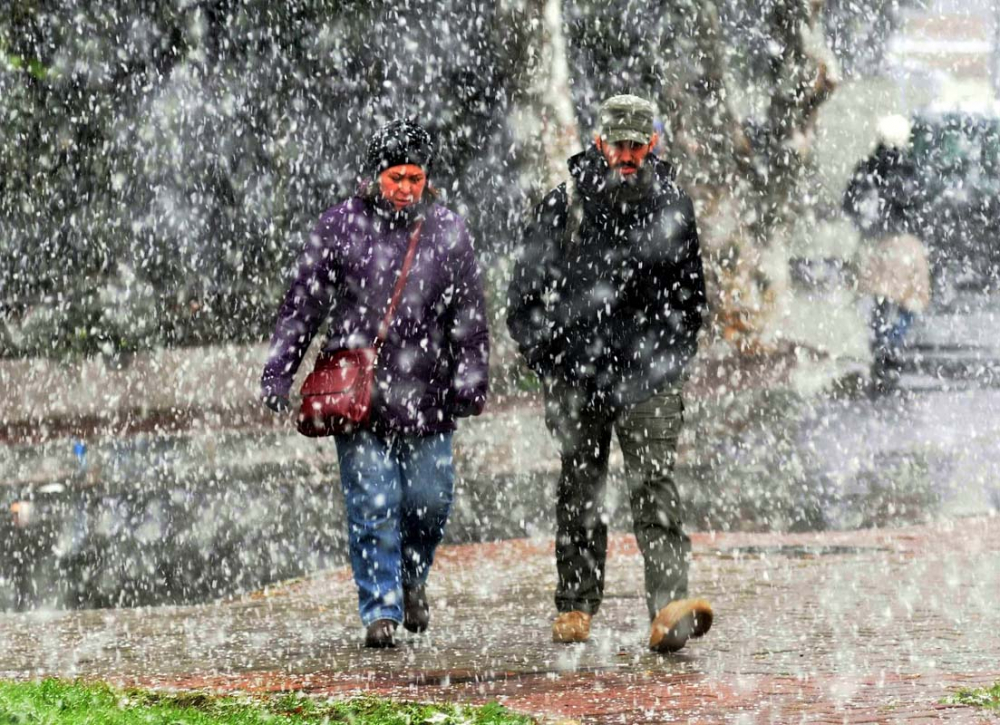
pixel 890 324
pixel 398 492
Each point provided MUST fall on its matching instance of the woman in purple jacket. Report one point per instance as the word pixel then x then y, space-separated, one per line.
pixel 396 471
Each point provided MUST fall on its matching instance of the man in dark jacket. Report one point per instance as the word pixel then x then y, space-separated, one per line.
pixel 605 305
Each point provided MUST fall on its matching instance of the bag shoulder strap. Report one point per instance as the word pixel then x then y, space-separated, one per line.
pixel 574 214
pixel 397 293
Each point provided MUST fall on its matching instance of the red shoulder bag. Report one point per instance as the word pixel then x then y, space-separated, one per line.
pixel 337 394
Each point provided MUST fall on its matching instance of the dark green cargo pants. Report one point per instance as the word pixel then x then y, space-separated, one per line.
pixel 648 436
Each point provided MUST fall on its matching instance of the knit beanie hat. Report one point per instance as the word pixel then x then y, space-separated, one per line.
pixel 400 142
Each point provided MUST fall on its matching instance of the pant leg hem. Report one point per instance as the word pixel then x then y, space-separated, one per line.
pixel 659 602
pixel 390 614
pixel 585 607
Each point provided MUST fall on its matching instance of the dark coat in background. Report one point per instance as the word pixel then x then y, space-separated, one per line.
pixel 881 196
pixel 433 366
pixel 615 305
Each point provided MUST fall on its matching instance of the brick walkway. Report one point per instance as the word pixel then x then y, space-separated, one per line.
pixel 867 626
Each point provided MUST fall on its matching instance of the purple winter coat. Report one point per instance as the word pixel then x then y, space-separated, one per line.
pixel 433 364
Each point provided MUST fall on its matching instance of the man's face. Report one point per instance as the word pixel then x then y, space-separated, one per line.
pixel 625 157
pixel 402 185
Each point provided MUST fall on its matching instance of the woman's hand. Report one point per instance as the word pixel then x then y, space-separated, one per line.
pixel 277 403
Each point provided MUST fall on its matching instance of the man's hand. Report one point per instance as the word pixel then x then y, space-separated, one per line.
pixel 277 403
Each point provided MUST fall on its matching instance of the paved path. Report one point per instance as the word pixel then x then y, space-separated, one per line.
pixel 863 626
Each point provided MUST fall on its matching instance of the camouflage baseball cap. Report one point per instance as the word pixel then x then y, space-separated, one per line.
pixel 627 118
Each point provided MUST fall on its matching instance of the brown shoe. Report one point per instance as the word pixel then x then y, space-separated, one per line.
pixel 571 627
pixel 679 621
pixel 381 634
pixel 416 610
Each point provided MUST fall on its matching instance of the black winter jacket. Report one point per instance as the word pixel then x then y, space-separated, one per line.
pixel 882 194
pixel 616 308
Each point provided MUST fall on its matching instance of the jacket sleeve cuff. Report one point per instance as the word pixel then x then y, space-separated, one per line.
pixel 464 407
pixel 277 387
pixel 539 359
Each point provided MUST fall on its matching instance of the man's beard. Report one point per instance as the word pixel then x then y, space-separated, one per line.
pixel 630 188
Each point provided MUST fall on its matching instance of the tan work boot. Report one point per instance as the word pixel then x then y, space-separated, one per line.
pixel 679 621
pixel 571 627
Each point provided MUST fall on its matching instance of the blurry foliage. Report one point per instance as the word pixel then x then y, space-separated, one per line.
pixel 859 31
pixel 162 163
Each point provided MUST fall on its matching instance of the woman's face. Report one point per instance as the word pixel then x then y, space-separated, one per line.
pixel 402 185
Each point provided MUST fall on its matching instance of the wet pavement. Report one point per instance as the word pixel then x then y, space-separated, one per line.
pixel 864 626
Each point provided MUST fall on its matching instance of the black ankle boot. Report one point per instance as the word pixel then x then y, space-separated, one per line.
pixel 381 634
pixel 416 610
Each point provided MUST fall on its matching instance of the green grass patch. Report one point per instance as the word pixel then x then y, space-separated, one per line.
pixel 988 697
pixel 34 67
pixel 76 703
